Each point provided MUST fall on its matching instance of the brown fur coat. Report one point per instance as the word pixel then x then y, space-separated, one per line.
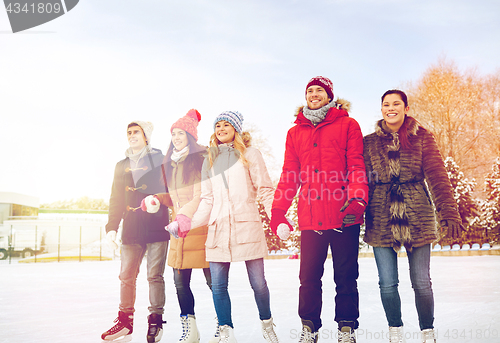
pixel 403 185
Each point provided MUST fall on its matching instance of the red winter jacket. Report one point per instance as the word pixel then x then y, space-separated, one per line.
pixel 326 162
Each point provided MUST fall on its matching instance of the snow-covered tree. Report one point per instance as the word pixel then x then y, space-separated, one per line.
pixel 467 206
pixel 491 207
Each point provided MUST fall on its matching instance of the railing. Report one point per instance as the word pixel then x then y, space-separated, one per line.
pixel 54 242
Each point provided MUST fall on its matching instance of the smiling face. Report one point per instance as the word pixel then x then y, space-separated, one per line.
pixel 394 111
pixel 136 139
pixel 224 132
pixel 316 97
pixel 179 139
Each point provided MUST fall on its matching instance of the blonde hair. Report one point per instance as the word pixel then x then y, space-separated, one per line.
pixel 241 143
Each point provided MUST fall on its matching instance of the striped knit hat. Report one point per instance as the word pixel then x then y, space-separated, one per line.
pixel 188 123
pixel 232 117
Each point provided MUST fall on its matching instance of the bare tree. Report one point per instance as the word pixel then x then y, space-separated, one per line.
pixel 461 109
pixel 491 99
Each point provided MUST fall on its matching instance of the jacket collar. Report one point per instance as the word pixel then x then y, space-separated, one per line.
pixel 382 130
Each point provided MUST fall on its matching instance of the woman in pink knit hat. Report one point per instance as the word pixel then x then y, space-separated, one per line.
pixel 181 173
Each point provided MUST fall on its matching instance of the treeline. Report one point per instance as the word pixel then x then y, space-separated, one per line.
pixel 83 203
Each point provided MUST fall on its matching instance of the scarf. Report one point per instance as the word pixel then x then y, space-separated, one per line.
pixel 317 116
pixel 136 156
pixel 177 154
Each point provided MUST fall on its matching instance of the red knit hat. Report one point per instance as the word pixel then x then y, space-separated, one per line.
pixel 188 123
pixel 324 82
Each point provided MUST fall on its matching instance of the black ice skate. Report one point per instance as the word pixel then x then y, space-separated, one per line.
pixel 122 330
pixel 155 327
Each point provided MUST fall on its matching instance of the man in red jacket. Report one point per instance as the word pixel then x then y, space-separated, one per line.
pixel 324 158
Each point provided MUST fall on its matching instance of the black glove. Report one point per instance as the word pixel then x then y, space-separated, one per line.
pixel 454 228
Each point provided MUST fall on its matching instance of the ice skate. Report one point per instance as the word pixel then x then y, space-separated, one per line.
pixel 396 334
pixel 122 330
pixel 190 333
pixel 308 335
pixel 227 334
pixel 268 331
pixel 216 337
pixel 428 336
pixel 155 327
pixel 346 332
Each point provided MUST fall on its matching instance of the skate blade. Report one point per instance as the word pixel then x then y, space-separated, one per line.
pixel 123 339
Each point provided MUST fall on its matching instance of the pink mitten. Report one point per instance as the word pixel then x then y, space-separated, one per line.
pixel 173 228
pixel 184 225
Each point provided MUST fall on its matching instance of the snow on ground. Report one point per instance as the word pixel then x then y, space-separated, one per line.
pixel 75 302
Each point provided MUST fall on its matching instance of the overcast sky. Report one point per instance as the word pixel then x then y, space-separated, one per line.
pixel 69 88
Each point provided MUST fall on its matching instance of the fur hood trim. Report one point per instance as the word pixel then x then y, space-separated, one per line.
pixel 340 104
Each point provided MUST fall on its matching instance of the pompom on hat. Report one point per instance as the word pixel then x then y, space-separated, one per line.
pixel 234 118
pixel 324 82
pixel 188 123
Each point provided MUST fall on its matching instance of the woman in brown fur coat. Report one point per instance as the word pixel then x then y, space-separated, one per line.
pixel 406 177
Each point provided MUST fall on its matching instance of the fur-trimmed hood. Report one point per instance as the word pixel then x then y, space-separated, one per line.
pixel 340 104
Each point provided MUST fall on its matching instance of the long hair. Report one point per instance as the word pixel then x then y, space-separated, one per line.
pixel 241 143
pixel 192 163
pixel 403 130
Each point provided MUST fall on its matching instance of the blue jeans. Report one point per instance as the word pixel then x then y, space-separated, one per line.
pixel 182 280
pixel 220 280
pixel 131 258
pixel 387 265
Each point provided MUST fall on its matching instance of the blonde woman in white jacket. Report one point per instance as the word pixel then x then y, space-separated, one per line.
pixel 233 176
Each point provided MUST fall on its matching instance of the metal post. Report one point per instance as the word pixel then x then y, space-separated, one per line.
pixel 10 245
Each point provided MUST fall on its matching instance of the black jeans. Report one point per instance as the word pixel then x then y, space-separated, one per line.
pixel 314 251
pixel 182 280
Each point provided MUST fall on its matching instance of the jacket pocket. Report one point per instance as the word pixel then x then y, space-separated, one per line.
pixel 211 243
pixel 248 231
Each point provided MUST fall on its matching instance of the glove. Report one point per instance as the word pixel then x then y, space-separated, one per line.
pixel 173 228
pixel 111 238
pixel 283 232
pixel 454 228
pixel 352 211
pixel 277 218
pixel 150 204
pixel 184 225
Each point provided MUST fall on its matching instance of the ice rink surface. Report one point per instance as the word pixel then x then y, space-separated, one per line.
pixel 75 302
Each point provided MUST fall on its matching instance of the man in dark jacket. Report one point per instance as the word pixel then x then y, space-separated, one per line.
pixel 137 176
pixel 324 158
